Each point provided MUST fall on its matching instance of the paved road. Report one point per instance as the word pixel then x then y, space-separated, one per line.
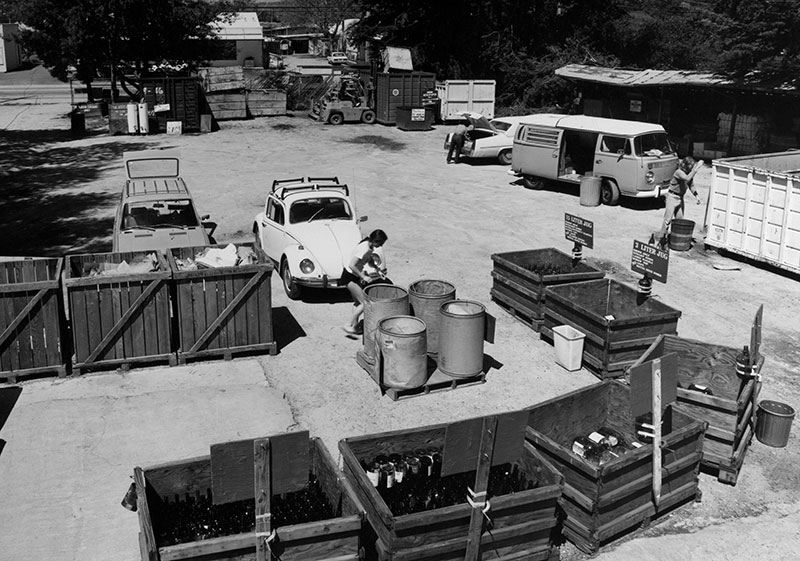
pixel 36 94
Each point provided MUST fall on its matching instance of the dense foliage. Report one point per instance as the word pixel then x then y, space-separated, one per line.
pixel 96 36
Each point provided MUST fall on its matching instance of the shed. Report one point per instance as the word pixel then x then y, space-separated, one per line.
pixel 242 40
pixel 10 53
pixel 709 115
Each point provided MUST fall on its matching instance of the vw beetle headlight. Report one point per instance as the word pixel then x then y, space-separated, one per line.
pixel 649 177
pixel 307 266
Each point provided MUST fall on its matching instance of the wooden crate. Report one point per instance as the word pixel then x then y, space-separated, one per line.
pixel 227 105
pixel 222 311
pixel 31 318
pixel 519 280
pixel 263 103
pixel 118 319
pixel 619 325
pixel 522 522
pixel 731 409
pixel 334 539
pixel 602 503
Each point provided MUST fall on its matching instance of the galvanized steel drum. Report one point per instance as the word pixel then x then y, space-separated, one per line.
pixel 401 341
pixel 383 300
pixel 426 298
pixel 461 333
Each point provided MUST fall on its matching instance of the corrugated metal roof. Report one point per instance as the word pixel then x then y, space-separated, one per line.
pixel 242 26
pixel 622 77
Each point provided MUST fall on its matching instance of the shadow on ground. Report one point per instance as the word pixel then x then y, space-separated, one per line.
pixel 45 209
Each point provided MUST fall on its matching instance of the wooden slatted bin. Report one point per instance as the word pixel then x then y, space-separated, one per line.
pixel 710 390
pixel 222 310
pixel 119 309
pixel 179 517
pixel 429 518
pixel 606 500
pixel 520 279
pixel 31 318
pixel 618 323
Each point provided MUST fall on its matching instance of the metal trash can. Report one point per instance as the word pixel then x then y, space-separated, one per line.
pixel 590 190
pixel 774 423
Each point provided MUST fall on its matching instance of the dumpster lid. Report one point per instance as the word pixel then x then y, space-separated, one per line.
pixel 152 163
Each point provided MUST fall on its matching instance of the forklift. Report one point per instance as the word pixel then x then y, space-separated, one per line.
pixel 344 100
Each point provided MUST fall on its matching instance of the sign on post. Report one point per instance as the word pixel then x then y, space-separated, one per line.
pixel 650 261
pixel 579 230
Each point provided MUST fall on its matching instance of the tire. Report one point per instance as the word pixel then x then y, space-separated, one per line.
pixel 609 193
pixel 368 117
pixel 533 183
pixel 504 157
pixel 336 119
pixel 292 290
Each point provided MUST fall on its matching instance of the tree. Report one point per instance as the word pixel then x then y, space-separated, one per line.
pixel 327 16
pixel 123 36
pixel 761 44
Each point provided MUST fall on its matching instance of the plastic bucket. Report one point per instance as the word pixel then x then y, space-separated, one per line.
pixel 680 234
pixel 590 190
pixel 383 300
pixel 402 344
pixel 425 298
pixel 774 423
pixel 461 330
pixel 568 343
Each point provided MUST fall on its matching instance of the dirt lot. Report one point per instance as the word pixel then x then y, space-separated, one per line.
pixel 444 222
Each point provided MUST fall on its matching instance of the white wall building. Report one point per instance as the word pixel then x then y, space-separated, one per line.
pixel 10 52
pixel 243 41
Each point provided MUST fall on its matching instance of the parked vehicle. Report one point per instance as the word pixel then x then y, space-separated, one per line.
pixel 309 229
pixel 344 100
pixel 634 159
pixel 156 210
pixel 338 58
pixel 489 139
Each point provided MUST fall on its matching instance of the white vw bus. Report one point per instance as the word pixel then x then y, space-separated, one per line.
pixel 633 158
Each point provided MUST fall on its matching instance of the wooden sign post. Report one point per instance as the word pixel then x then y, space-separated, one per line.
pixel 654 384
pixel 651 262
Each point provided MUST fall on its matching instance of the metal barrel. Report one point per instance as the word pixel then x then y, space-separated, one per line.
pixel 680 234
pixel 774 423
pixel 401 341
pixel 383 300
pixel 426 298
pixel 461 333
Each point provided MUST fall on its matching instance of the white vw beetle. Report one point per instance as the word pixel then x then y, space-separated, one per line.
pixel 309 229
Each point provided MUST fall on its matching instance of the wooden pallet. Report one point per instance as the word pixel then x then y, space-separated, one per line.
pixel 438 381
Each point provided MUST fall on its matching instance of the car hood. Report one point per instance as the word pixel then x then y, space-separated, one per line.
pixel 331 242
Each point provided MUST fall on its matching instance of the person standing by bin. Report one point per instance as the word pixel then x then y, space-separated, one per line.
pixel 357 275
pixel 682 180
pixel 457 141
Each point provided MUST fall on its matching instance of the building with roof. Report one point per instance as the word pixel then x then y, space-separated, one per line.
pixel 241 40
pixel 709 115
pixel 10 52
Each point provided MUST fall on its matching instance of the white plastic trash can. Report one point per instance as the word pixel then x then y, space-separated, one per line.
pixel 568 342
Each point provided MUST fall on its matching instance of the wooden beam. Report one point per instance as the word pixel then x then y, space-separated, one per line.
pixel 263 495
pixel 481 484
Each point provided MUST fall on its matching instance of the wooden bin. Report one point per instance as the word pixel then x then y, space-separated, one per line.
pixel 31 318
pixel 602 503
pixel 522 522
pixel 222 311
pixel 619 325
pixel 121 318
pixel 520 279
pixel 730 410
pixel 334 539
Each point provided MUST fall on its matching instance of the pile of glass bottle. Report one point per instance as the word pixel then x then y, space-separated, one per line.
pixel 604 444
pixel 412 481
pixel 196 517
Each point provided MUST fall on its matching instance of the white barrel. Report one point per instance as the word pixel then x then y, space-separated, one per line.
pixel 133 118
pixel 144 125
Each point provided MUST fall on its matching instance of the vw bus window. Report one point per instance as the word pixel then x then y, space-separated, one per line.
pixel 653 144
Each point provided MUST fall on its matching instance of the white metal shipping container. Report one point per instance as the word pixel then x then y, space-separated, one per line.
pixel 754 209
pixel 459 96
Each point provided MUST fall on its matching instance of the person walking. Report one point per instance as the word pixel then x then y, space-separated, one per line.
pixel 682 180
pixel 457 142
pixel 357 275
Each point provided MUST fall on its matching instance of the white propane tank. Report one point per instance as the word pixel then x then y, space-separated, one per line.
pixel 144 125
pixel 133 118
